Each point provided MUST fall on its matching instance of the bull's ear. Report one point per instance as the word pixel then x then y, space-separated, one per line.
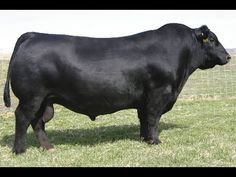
pixel 202 33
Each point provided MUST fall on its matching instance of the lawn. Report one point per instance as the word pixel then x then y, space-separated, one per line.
pixel 199 131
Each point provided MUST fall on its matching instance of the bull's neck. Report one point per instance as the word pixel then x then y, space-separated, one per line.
pixel 197 58
pixel 193 61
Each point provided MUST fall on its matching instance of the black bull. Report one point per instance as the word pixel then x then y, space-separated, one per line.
pixel 96 76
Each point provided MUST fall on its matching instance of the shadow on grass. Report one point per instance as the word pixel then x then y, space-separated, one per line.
pixel 88 137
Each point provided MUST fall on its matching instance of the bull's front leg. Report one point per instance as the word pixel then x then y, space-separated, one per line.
pixel 153 118
pixel 142 115
pixel 157 101
pixel 148 126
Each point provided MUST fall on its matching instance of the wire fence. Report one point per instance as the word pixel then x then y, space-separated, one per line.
pixel 216 83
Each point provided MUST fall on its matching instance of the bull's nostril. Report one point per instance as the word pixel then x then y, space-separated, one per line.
pixel 228 57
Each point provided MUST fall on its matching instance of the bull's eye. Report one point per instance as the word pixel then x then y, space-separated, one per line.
pixel 212 39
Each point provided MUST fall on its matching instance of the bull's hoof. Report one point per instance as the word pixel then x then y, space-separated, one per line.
pixel 157 141
pixel 47 147
pixel 18 151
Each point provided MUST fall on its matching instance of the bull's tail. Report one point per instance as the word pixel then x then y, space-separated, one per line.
pixel 6 95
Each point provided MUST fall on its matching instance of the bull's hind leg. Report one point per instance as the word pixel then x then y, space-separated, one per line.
pixel 21 126
pixel 38 124
pixel 25 113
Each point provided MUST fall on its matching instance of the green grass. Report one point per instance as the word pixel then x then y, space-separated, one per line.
pixel 199 131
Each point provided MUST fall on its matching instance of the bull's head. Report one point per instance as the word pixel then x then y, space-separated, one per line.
pixel 213 51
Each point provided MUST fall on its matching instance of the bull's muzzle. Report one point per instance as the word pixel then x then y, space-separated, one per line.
pixel 228 57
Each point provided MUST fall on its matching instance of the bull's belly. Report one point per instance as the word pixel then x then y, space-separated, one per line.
pixel 96 105
pixel 97 97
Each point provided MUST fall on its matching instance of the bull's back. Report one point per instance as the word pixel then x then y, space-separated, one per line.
pixel 80 71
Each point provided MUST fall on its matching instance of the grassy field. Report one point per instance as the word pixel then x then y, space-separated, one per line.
pixel 199 131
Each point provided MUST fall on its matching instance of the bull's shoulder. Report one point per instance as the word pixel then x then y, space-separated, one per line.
pixel 24 37
pixel 174 30
pixel 175 25
pixel 27 35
